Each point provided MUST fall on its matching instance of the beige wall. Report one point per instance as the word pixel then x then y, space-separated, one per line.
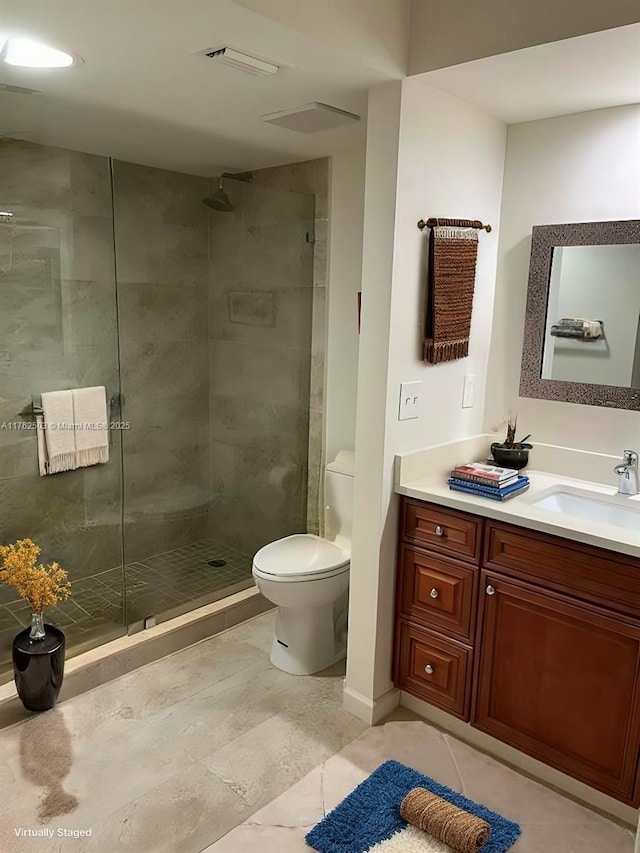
pixel 428 154
pixel 457 31
pixel 374 32
pixel 576 168
pixel 345 279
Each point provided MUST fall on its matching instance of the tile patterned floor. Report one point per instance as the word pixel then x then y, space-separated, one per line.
pixel 159 584
pixel 550 823
pixel 188 753
pixel 170 757
pixel 168 580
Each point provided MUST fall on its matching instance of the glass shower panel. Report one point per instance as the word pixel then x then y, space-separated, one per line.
pixel 261 304
pixel 215 325
pixel 58 330
pixel 162 256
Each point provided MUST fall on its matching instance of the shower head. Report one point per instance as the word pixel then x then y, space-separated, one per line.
pixel 220 200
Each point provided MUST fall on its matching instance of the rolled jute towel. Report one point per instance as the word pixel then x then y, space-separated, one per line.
pixel 459 829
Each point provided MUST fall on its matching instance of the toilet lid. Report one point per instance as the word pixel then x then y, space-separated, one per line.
pixel 303 554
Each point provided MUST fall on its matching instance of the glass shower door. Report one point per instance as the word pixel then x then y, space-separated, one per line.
pixel 58 330
pixel 215 341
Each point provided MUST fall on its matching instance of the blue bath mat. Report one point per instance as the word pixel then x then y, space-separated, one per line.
pixel 371 813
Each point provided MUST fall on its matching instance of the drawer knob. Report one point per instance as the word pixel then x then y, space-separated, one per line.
pixel 439 531
pixel 428 669
pixel 434 593
pixel 490 590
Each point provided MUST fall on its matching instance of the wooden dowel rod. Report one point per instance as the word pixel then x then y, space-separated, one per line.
pixel 462 223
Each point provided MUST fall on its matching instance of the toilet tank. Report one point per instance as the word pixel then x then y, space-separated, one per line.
pixel 339 479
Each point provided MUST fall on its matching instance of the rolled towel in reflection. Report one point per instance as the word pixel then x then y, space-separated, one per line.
pixel 459 829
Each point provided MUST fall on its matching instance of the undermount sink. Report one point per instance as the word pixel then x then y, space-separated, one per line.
pixel 617 510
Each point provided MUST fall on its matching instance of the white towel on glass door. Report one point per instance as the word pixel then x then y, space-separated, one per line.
pixel 59 446
pixel 91 426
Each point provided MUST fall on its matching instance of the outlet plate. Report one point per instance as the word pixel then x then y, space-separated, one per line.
pixel 468 391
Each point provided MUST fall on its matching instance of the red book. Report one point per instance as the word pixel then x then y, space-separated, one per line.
pixel 488 475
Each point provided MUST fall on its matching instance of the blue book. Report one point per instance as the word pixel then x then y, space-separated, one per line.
pixel 521 485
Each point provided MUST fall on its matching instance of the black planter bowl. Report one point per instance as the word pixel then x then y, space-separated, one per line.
pixel 38 668
pixel 511 457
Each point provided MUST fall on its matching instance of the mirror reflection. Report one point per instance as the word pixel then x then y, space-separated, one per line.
pixel 592 331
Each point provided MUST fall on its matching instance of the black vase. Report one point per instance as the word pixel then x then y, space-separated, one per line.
pixel 511 457
pixel 38 668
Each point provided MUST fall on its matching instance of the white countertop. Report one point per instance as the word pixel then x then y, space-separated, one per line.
pixel 519 510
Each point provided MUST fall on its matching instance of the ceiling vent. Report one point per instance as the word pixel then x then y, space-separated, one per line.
pixel 311 118
pixel 18 90
pixel 242 61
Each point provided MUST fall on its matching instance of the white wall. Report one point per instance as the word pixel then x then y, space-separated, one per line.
pixel 371 499
pixel 444 34
pixel 450 163
pixel 345 277
pixel 577 168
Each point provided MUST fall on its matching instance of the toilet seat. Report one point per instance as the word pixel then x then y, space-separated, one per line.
pixel 303 556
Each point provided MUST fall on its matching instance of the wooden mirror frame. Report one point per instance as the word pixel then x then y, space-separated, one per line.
pixel 543 240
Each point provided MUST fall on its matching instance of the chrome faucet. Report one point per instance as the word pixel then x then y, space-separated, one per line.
pixel 627 472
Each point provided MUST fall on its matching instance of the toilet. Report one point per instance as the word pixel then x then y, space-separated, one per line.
pixel 308 578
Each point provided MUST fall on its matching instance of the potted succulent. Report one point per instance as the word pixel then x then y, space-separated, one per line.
pixel 38 651
pixel 511 453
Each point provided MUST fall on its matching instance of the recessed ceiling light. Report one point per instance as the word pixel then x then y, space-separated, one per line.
pixel 31 54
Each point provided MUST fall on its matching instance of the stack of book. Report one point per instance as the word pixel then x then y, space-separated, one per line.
pixel 488 481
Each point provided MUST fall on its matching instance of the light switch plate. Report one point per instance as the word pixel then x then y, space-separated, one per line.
pixel 410 400
pixel 468 391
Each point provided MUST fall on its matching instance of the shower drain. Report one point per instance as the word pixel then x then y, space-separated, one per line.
pixel 217 564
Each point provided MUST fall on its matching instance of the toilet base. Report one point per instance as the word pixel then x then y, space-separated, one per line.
pixel 309 639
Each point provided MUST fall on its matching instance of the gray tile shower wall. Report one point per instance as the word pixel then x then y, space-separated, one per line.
pixel 162 255
pixel 312 177
pixel 260 322
pixel 57 330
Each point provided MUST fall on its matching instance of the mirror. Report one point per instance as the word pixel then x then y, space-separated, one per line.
pixel 582 328
pixel 593 315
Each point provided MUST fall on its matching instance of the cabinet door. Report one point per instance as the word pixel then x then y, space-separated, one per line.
pixel 559 680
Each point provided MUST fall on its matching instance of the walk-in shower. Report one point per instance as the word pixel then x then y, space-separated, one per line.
pixel 199 326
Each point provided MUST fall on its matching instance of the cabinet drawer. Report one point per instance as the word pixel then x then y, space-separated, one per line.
pixel 434 669
pixel 597 576
pixel 437 592
pixel 445 531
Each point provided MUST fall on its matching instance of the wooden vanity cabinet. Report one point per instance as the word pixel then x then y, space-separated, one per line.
pixel 533 639
pixel 437 588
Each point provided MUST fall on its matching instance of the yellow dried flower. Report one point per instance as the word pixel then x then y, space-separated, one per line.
pixel 42 586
